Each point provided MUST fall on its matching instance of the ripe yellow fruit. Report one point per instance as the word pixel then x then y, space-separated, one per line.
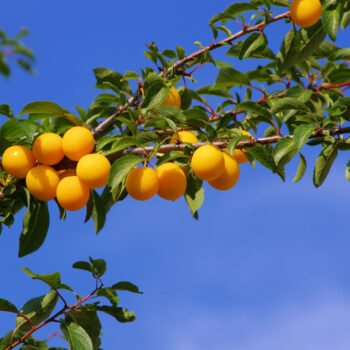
pixel 305 13
pixel 42 182
pixel 142 183
pixel 184 136
pixel 228 177
pixel 72 194
pixel 238 154
pixel 208 162
pixel 47 148
pixel 172 181
pixel 173 98
pixel 93 170
pixel 77 142
pixel 18 160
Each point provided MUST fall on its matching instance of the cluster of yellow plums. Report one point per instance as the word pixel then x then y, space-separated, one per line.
pixel 71 187
pixel 208 163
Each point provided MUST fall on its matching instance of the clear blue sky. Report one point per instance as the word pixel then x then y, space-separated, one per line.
pixel 267 265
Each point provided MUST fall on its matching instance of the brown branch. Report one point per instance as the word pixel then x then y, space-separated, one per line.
pixel 225 41
pixel 134 99
pixel 143 151
pixel 53 318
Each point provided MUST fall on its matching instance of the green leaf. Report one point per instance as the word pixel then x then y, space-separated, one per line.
pixel 284 151
pixel 301 168
pixel 298 46
pixel 194 195
pixel 37 310
pixel 89 321
pixel 53 279
pixel 4 68
pixel 35 226
pixel 98 211
pixel 254 107
pixel 121 168
pixel 76 336
pixel 345 19
pixel 108 79
pixel 212 91
pixel 120 314
pixel 110 294
pixel 324 163
pixel 155 95
pixel 288 103
pixel 347 171
pixel 5 305
pixel 48 107
pixel 233 10
pixel 127 286
pixel 99 267
pixel 83 265
pixel 6 110
pixel 180 52
pixel 130 75
pixel 301 134
pixel 17 128
pixel 340 54
pixel 331 17
pixel 229 77
pixel 254 43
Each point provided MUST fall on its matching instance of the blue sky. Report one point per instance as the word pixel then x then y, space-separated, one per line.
pixel 265 267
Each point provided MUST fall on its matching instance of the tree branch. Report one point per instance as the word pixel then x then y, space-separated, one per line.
pixel 143 151
pixel 53 318
pixel 135 98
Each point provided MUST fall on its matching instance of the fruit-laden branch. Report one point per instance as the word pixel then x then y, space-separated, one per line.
pixel 143 151
pixel 135 99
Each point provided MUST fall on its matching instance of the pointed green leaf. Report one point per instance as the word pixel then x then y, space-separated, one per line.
pixel 254 43
pixel 301 168
pixel 83 265
pixel 48 107
pixel 155 95
pixel 99 267
pixel 284 151
pixel 5 305
pixel 194 194
pixel 347 171
pixel 127 286
pixel 286 104
pixel 254 107
pixel 98 211
pixel 89 321
pixel 331 17
pixel 6 110
pixel 324 163
pixel 76 336
pixel 302 133
pixel 298 46
pixel 53 279
pixel 37 310
pixel 35 226
pixel 120 314
pixel 229 77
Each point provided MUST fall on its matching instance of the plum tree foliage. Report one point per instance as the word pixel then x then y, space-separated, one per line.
pixel 296 97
